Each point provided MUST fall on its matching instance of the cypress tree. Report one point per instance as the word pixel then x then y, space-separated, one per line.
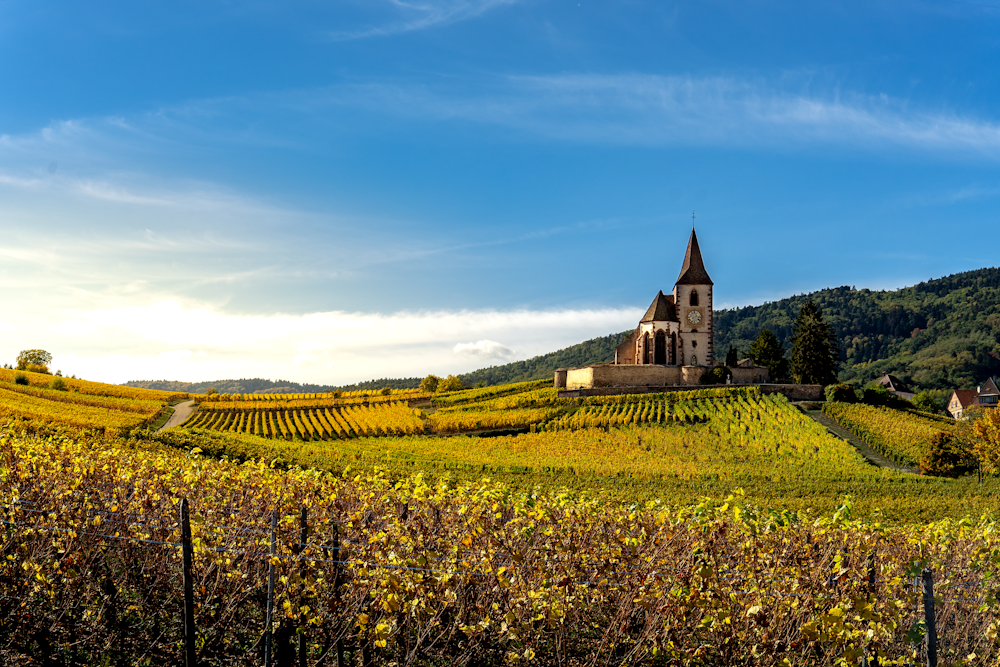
pixel 815 353
pixel 769 352
pixel 732 357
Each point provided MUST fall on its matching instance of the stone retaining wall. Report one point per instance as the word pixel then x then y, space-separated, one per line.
pixel 794 392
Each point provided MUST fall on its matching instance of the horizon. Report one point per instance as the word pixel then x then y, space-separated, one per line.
pixel 340 192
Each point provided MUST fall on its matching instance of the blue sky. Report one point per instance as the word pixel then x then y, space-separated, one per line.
pixel 330 192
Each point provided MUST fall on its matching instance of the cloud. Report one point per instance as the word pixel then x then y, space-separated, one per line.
pixel 485 350
pixel 658 110
pixel 194 341
pixel 427 14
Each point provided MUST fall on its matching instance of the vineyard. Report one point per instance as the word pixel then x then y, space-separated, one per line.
pixel 108 409
pixel 636 448
pixel 902 436
pixel 314 424
pixel 399 571
pixel 492 526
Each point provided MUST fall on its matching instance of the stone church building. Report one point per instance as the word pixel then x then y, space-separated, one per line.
pixel 676 327
pixel 673 344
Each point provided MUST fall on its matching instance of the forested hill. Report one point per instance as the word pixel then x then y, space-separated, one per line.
pixel 593 351
pixel 943 333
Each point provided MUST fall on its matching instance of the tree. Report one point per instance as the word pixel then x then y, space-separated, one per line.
pixel 947 456
pixel 843 393
pixel 987 445
pixel 718 375
pixel 815 353
pixel 732 357
pixel 450 383
pixel 385 391
pixel 430 384
pixel 768 351
pixel 926 402
pixel 36 361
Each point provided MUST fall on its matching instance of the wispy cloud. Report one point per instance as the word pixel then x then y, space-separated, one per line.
pixel 413 16
pixel 656 110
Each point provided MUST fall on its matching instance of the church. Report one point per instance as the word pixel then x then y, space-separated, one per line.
pixel 673 343
pixel 677 328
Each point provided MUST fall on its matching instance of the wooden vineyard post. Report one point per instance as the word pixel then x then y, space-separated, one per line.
pixel 190 650
pixel 270 589
pixel 872 569
pixel 303 536
pixel 336 588
pixel 930 634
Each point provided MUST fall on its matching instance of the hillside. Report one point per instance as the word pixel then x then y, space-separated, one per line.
pixel 938 334
pixel 943 333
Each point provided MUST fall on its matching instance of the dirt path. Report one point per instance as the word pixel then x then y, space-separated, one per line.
pixel 181 413
pixel 845 434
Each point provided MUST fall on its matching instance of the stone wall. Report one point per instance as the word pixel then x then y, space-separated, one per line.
pixel 632 375
pixel 794 392
pixel 750 375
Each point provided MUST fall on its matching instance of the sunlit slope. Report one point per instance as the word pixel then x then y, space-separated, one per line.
pixel 672 447
pixel 109 408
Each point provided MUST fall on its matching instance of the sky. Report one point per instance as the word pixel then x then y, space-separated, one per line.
pixel 331 192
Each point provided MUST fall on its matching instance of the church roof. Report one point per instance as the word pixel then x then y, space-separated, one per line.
pixel 661 310
pixel 693 272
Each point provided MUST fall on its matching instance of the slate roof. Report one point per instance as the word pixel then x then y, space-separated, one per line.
pixel 893 383
pixel 693 271
pixel 661 310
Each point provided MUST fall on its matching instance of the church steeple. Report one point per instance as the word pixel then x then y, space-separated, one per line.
pixel 693 272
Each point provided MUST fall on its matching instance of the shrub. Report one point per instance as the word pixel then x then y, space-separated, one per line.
pixel 843 393
pixel 58 383
pixel 385 391
pixel 450 383
pixel 20 378
pixel 430 384
pixel 718 375
pixel 926 402
pixel 876 395
pixel 947 456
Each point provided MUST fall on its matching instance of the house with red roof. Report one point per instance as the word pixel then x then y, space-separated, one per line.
pixel 986 396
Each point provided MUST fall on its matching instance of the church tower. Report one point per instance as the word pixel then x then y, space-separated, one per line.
pixel 693 302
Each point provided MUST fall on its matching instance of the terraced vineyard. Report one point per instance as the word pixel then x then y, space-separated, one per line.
pixel 902 436
pixel 314 424
pixel 110 409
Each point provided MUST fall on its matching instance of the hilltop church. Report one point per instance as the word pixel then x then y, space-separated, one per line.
pixel 676 329
pixel 673 344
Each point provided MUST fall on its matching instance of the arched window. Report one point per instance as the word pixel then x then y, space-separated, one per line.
pixel 694 297
pixel 660 355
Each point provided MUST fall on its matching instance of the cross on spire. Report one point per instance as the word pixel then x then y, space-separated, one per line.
pixel 692 219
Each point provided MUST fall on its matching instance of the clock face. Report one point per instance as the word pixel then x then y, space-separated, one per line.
pixel 694 317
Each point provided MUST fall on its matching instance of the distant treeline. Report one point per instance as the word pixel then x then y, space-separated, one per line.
pixel 592 351
pixel 261 386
